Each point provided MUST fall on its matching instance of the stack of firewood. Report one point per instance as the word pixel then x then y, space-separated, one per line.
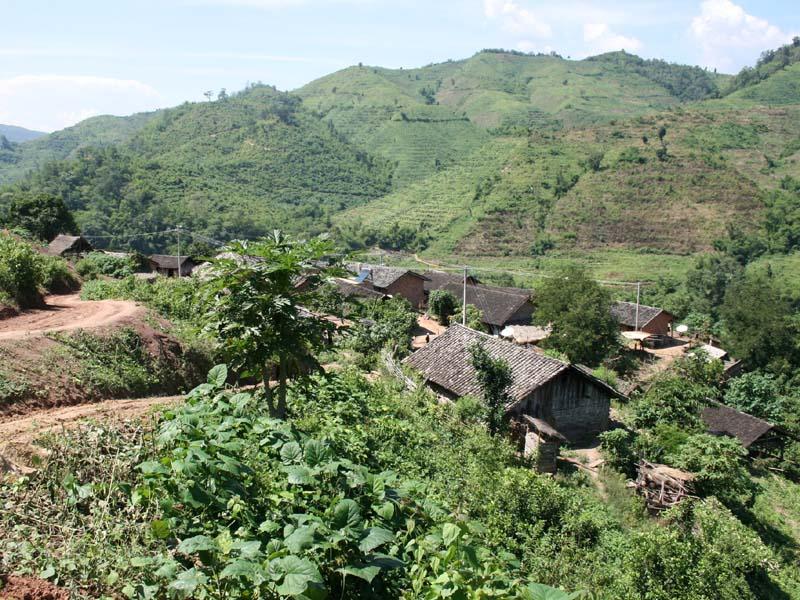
pixel 662 487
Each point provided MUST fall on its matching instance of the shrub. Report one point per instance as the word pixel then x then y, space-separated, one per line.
pixel 442 304
pixel 671 400
pixel 757 394
pixel 20 271
pixel 618 446
pixel 100 263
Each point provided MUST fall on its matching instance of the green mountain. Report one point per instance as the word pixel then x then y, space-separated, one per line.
pixel 499 154
pixel 15 134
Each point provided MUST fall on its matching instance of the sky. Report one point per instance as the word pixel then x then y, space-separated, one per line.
pixel 63 61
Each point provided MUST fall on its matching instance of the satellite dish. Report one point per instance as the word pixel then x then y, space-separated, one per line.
pixel 682 328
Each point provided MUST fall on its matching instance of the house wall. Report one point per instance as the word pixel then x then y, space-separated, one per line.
pixel 411 288
pixel 522 316
pixel 659 325
pixel 573 405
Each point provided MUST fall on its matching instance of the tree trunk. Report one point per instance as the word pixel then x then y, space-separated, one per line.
pixel 265 372
pixel 282 369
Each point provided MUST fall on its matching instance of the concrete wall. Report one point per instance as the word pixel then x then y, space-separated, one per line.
pixel 575 406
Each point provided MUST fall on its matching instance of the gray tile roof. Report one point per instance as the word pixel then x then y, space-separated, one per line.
pixel 381 276
pixel 447 362
pixel 349 288
pixel 625 313
pixel 166 261
pixel 724 420
pixel 438 279
pixel 497 305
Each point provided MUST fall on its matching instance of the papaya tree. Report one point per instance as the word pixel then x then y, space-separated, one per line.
pixel 256 315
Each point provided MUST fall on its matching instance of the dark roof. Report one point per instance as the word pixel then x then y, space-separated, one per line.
pixel 166 261
pixel 625 313
pixel 381 276
pixel 497 305
pixel 349 288
pixel 438 279
pixel 447 362
pixel 68 243
pixel 724 420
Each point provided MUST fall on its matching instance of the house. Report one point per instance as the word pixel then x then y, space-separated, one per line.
pixel 172 266
pixel 69 245
pixel 351 289
pixel 758 436
pixel 498 306
pixel 392 281
pixel 649 319
pixel 568 398
pixel 437 280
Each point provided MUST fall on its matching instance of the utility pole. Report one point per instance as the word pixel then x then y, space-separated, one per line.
pixel 180 273
pixel 638 288
pixel 464 300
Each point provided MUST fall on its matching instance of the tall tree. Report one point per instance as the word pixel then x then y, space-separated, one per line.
pixel 579 311
pixel 256 315
pixel 43 215
pixel 494 377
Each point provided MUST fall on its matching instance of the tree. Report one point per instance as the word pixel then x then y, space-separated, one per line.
pixel 708 281
pixel 579 312
pixel 43 215
pixel 255 310
pixel 494 377
pixel 758 324
pixel 442 305
pixel 209 94
pixel 671 400
pixel 662 132
pixel 757 394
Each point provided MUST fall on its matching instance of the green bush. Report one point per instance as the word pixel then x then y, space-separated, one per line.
pixel 671 400
pixel 21 271
pixel 100 263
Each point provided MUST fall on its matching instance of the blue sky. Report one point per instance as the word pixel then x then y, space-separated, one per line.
pixel 61 62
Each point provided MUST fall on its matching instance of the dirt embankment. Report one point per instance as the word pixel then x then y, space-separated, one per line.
pixel 29 588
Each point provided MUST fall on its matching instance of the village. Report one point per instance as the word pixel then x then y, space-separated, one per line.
pixel 552 404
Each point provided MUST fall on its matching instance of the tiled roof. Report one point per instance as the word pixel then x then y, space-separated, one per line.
pixel 349 288
pixel 724 420
pixel 381 276
pixel 447 362
pixel 438 279
pixel 65 243
pixel 498 306
pixel 166 261
pixel 625 313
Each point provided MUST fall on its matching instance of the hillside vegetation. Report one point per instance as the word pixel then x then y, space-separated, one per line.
pixel 500 154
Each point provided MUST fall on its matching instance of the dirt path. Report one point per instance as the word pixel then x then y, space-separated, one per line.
pixel 64 313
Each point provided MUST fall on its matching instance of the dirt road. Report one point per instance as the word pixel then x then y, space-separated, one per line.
pixel 64 313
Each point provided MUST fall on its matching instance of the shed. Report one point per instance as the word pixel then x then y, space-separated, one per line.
pixel 351 289
pixel 567 397
pixel 171 266
pixel 69 245
pixel 500 307
pixel 650 319
pixel 393 281
pixel 760 437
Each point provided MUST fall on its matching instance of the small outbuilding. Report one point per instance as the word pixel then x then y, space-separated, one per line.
pixel 639 317
pixel 69 246
pixel 572 402
pixel 172 266
pixel 759 437
pixel 392 281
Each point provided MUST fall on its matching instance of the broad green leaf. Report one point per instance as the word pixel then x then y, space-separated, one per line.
pixel 159 529
pixel 300 539
pixel 366 573
pixel 48 572
pixel 375 537
pixel 294 575
pixel 225 542
pixel 195 544
pixel 247 549
pixel 450 533
pixel 384 561
pixel 346 514
pixel 316 453
pixel 218 375
pixel 299 475
pixel 291 453
pixel 538 591
pixel 188 581
pixel 386 511
pixel 152 467
pixel 243 568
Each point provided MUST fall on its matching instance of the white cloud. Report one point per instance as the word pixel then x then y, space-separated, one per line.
pixel 601 38
pixel 516 18
pixel 275 4
pixel 728 35
pixel 50 102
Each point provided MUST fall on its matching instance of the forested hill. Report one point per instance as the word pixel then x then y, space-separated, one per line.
pixel 245 164
pixel 501 153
